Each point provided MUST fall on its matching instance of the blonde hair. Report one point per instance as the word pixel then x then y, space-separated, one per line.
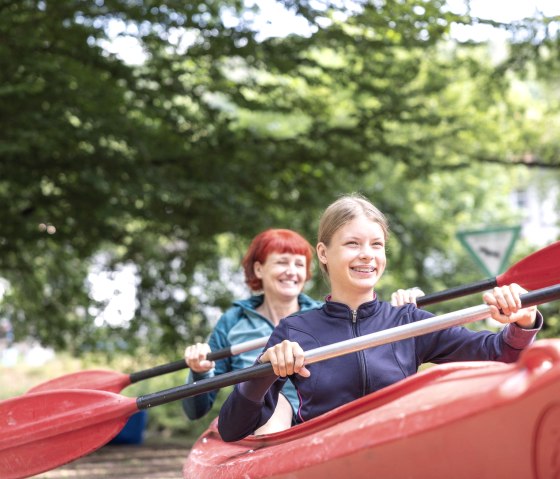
pixel 344 210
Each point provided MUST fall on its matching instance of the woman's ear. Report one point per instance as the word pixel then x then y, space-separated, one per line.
pixel 257 269
pixel 322 253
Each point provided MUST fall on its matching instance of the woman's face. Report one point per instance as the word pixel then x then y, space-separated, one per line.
pixel 355 257
pixel 282 274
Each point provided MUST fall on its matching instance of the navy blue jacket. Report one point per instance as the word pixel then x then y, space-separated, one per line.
pixel 339 380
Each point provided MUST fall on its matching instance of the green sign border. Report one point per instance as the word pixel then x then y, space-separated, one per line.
pixel 516 231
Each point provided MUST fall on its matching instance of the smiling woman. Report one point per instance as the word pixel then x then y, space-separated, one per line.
pixel 351 249
pixel 354 249
pixel 277 266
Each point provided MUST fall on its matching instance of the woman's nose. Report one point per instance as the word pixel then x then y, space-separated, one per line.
pixel 290 269
pixel 366 252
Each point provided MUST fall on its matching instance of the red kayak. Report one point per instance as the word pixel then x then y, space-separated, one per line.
pixel 459 420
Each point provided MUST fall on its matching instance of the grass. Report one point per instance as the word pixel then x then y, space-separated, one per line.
pixel 18 379
pixel 166 423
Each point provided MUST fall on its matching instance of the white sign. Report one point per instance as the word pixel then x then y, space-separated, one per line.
pixel 491 247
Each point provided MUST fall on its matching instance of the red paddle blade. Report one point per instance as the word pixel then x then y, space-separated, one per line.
pixel 99 379
pixel 536 271
pixel 41 431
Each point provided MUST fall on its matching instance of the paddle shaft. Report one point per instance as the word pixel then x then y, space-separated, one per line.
pixel 537 270
pixel 457 292
pixel 212 356
pixel 418 328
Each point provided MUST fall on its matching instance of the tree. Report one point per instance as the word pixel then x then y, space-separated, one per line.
pixel 173 164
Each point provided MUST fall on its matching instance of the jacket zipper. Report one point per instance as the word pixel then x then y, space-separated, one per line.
pixel 361 355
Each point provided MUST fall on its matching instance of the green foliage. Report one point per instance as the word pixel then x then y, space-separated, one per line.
pixel 173 164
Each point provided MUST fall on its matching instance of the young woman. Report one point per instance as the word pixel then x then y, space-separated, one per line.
pixel 351 250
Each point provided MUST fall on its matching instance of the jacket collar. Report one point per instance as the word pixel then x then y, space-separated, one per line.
pixel 341 310
pixel 252 303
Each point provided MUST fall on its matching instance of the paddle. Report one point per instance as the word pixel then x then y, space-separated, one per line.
pixel 112 381
pixel 538 270
pixel 41 431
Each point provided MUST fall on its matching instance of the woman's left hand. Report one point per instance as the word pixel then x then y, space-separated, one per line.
pixel 505 306
pixel 404 296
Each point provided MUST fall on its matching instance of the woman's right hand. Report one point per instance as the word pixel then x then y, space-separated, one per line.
pixel 287 358
pixel 195 357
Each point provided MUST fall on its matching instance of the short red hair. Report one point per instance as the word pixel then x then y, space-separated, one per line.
pixel 274 241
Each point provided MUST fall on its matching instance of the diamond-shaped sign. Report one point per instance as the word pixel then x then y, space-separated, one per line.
pixel 491 247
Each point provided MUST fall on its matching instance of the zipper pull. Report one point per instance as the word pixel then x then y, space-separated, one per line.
pixel 354 315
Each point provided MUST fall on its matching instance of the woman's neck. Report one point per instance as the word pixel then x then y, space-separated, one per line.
pixel 275 309
pixel 353 301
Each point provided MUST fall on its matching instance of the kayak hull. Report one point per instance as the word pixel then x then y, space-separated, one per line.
pixel 460 420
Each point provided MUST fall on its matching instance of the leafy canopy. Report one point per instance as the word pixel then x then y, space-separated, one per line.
pixel 172 164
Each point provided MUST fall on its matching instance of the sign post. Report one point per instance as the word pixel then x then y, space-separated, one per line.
pixel 491 248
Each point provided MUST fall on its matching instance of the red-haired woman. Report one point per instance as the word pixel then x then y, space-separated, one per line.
pixel 277 265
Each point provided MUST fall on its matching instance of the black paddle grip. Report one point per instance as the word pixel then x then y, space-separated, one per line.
pixel 204 386
pixel 457 292
pixel 540 296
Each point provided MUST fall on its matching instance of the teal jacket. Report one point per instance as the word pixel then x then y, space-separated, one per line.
pixel 239 324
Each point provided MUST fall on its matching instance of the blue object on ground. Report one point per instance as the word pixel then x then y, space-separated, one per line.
pixel 133 430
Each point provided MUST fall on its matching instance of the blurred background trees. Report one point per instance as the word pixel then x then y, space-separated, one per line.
pixel 165 163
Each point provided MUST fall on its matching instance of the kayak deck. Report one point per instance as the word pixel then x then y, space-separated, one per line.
pixel 462 420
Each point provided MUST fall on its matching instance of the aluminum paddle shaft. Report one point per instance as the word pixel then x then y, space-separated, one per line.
pixel 418 328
